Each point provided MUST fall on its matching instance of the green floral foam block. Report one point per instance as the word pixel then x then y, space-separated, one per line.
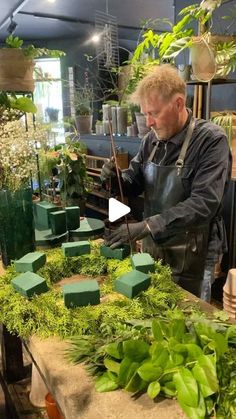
pixel 30 262
pixel 42 211
pixel 143 262
pixel 72 217
pixel 29 284
pixel 132 283
pixel 118 253
pixel 76 248
pixel 81 293
pixel 58 222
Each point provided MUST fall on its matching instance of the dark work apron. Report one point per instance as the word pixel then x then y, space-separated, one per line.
pixel 186 251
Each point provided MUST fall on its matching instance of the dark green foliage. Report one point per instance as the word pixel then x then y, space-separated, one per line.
pixel 177 358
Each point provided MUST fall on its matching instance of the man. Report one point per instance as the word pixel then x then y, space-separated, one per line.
pixel 183 168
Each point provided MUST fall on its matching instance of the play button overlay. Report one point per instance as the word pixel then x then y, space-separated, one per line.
pixel 116 210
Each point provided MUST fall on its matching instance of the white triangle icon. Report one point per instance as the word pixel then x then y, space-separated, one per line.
pixel 116 210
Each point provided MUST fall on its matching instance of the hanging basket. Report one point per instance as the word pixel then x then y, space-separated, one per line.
pixel 16 71
pixel 202 59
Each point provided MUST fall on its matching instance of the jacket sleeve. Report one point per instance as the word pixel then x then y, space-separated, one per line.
pixel 212 174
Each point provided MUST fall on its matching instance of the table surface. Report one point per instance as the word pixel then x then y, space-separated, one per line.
pixel 75 393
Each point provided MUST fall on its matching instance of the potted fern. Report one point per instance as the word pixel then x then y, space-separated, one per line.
pixel 17 64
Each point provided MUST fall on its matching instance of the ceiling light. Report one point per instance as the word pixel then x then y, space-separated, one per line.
pixel 95 38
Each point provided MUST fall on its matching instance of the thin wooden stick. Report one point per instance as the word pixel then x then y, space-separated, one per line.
pixel 119 182
pixel 195 100
pixel 199 104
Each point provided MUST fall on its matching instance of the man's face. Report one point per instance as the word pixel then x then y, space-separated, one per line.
pixel 162 115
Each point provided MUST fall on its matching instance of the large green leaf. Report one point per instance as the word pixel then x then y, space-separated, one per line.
pixel 219 344
pixel 205 373
pixel 127 369
pixel 160 354
pixel 194 351
pixel 23 104
pixel 137 350
pixel 198 412
pixel 186 386
pixel 149 372
pixel 135 383
pixel 112 365
pixel 157 330
pixel 106 382
pixel 115 350
pixel 177 328
pixel 154 389
pixel 160 330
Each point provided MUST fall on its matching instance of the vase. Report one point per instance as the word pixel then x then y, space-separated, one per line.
pixel 16 224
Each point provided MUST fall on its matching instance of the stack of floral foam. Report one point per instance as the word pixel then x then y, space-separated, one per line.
pixel 229 294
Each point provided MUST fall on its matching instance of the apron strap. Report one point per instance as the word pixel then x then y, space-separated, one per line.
pixel 153 152
pixel 180 162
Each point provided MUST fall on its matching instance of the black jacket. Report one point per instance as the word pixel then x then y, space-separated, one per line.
pixel 205 177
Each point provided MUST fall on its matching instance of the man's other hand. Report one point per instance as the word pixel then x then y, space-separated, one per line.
pixel 120 236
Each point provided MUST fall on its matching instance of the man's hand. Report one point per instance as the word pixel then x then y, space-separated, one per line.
pixel 108 170
pixel 120 235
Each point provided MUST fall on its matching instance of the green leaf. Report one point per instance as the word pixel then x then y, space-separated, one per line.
pixel 23 104
pixel 127 369
pixel 135 383
pixel 186 386
pixel 194 351
pixel 198 412
pixel 149 372
pixel 114 349
pixel 157 330
pixel 177 359
pixel 154 389
pixel 169 389
pixel 205 374
pixel 112 365
pixel 180 348
pixel 160 330
pixel 159 354
pixel 177 329
pixel 137 350
pixel 106 382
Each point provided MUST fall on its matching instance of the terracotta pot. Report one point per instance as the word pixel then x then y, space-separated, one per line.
pixel 51 407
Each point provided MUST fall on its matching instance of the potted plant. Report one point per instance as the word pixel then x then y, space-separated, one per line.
pixel 70 160
pixel 52 114
pixel 156 48
pixel 83 118
pixel 17 65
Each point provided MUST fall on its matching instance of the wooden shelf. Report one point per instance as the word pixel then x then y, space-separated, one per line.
pixel 96 208
pixel 100 194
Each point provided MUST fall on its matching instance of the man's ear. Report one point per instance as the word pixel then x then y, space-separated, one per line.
pixel 180 102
